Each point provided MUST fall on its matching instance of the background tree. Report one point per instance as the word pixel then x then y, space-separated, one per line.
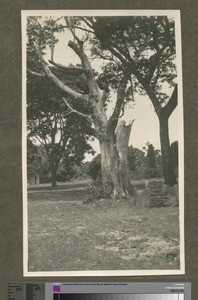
pixel 143 47
pixel 94 169
pixel 152 165
pixel 32 165
pixel 151 161
pixel 52 124
pixel 113 136
pixel 144 163
pixel 135 158
pixel 37 163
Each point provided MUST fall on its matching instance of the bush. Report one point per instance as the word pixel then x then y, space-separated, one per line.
pixel 94 169
pixel 95 190
pixel 149 173
pixel 65 174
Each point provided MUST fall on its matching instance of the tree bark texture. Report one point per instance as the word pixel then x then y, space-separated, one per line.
pixel 53 177
pixel 114 164
pixel 168 171
pixel 54 168
pixel 122 140
pixel 113 142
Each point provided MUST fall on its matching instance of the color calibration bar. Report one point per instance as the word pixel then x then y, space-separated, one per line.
pixel 26 291
pixel 117 291
pixel 99 291
pixel 61 296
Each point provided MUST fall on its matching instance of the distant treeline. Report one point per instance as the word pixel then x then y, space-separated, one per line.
pixel 143 164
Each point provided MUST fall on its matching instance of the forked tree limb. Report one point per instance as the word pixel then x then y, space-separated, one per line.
pixel 88 23
pixel 64 87
pixel 72 30
pixel 76 111
pixel 113 120
pixel 172 103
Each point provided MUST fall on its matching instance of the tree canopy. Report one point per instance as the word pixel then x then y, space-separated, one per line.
pixel 64 135
pixel 140 56
pixel 143 47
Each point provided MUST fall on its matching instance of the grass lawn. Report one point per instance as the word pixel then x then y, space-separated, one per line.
pixel 65 234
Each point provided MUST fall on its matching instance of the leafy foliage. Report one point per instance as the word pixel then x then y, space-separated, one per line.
pixel 37 162
pixel 143 48
pixel 135 158
pixel 64 135
pixel 148 41
pixel 96 190
pixel 141 55
pixel 144 164
pixel 94 169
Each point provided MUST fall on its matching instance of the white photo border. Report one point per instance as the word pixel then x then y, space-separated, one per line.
pixel 177 17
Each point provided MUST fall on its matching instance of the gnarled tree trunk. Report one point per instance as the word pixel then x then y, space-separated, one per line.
pixel 122 140
pixel 113 142
pixel 114 164
pixel 53 178
pixel 53 169
pixel 167 165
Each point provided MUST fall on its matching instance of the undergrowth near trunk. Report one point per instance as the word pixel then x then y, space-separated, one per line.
pixel 95 190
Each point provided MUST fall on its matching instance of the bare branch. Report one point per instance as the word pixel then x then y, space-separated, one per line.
pixel 78 49
pixel 70 112
pixel 131 122
pixel 64 87
pixel 40 75
pixel 77 112
pixel 40 141
pixel 154 81
pixel 120 50
pixel 57 20
pixel 103 56
pixel 155 60
pixel 84 29
pixel 122 113
pixel 117 54
pixel 72 30
pixel 151 93
pixel 40 53
pixel 52 46
pixel 60 66
pixel 88 23
pixel 55 79
pixel 113 120
pixel 125 45
pixel 35 20
pixel 91 81
pixel 75 48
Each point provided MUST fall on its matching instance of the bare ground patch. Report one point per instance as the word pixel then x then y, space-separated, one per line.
pixel 66 235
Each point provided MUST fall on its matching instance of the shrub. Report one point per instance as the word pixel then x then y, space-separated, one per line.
pixel 94 169
pixel 95 190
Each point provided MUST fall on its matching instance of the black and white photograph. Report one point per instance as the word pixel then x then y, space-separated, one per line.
pixel 103 146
